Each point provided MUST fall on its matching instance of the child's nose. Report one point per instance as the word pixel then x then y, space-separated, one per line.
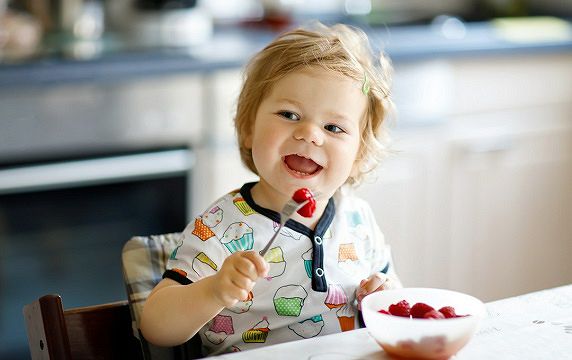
pixel 309 132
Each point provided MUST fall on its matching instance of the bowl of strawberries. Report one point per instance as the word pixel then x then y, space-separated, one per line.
pixel 422 323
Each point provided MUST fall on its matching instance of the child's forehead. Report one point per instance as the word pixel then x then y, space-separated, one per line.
pixel 316 76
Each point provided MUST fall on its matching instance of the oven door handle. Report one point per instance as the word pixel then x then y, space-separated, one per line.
pixel 108 170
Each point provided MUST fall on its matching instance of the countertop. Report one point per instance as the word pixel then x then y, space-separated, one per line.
pixel 232 46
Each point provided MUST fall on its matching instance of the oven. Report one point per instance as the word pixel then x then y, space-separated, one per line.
pixel 63 225
pixel 83 168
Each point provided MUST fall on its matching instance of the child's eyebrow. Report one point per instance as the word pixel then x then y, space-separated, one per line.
pixel 291 101
pixel 337 116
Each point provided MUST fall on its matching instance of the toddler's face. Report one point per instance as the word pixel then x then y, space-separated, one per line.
pixel 307 132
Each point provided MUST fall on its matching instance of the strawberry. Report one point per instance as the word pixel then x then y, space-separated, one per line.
pixel 401 308
pixel 420 309
pixel 433 314
pixel 302 195
pixel 308 209
pixel 448 312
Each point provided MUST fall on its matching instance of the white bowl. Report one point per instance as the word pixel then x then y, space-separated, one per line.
pixel 422 338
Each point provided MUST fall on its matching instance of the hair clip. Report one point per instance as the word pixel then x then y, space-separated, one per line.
pixel 365 86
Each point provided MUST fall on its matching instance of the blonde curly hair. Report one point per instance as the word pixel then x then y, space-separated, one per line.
pixel 339 48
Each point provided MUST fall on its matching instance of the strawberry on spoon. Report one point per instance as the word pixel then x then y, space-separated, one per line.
pixel 302 195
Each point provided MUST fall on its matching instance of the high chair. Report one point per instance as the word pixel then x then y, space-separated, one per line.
pixel 92 332
pixel 108 331
pixel 144 260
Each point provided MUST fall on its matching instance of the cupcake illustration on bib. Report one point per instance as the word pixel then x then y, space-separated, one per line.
pixel 336 296
pixel 276 263
pixel 347 252
pixel 348 259
pixel 244 208
pixel 203 265
pixel 201 230
pixel 173 255
pixel 346 317
pixel 258 333
pixel 355 224
pixel 288 233
pixel 307 257
pixel 308 328
pixel 213 217
pixel 219 329
pixel 289 300
pixel 238 237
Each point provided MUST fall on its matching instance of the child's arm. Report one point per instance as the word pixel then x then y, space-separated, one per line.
pixel 173 313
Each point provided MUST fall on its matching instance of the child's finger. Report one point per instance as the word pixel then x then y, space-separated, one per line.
pixel 236 293
pixel 242 282
pixel 367 286
pixel 261 266
pixel 371 285
pixel 245 267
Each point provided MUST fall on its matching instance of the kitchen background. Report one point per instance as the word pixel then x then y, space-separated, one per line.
pixel 116 120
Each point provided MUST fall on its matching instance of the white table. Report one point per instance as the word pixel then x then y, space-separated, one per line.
pixel 532 326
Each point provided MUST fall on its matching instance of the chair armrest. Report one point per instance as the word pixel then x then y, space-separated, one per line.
pixel 46 316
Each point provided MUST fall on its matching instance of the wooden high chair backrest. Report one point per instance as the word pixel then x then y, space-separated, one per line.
pixel 92 332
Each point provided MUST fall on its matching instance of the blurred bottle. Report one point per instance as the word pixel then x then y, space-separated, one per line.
pixel 84 19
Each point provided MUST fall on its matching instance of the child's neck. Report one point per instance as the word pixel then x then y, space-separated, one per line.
pixel 276 201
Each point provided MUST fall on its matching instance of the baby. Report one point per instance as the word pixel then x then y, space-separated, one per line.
pixel 309 115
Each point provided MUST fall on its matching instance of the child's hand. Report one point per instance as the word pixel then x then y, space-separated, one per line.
pixel 237 277
pixel 375 282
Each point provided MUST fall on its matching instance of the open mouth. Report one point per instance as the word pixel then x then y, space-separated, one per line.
pixel 301 165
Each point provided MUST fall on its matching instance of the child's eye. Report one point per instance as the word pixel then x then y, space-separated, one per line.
pixel 334 128
pixel 289 115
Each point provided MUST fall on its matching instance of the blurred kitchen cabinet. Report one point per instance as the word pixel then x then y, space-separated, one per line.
pixel 511 203
pixel 218 169
pixel 485 84
pixel 478 196
pixel 403 193
pixel 510 176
